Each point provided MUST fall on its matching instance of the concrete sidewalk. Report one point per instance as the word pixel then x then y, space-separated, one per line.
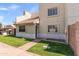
pixel 7 50
pixel 29 45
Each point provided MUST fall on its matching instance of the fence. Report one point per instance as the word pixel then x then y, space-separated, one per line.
pixel 73 37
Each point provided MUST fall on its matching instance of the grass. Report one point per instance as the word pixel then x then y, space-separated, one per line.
pixel 56 49
pixel 14 41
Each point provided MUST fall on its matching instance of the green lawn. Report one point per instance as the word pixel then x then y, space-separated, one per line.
pixel 14 41
pixel 56 49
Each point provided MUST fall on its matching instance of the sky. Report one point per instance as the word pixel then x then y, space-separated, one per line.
pixel 9 11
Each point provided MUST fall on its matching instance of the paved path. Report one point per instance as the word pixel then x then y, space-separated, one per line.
pixel 7 50
pixel 29 45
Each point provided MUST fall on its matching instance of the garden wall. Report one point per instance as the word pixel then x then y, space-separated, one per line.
pixel 73 37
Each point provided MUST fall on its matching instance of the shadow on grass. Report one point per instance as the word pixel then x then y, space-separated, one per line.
pixel 58 47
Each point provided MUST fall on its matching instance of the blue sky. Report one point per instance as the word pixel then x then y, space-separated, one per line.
pixel 9 11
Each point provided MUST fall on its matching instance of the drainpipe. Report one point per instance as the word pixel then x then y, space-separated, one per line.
pixel 36 30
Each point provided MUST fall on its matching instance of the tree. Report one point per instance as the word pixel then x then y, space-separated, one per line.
pixel 0 25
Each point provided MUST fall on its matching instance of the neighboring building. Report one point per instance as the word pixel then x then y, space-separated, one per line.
pixel 8 30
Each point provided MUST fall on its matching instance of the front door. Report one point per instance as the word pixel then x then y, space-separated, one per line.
pixel 36 30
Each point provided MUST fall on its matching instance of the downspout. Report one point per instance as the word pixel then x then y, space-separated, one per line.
pixel 36 30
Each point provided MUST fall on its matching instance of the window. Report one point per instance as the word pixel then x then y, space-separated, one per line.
pixel 22 28
pixel 52 11
pixel 52 28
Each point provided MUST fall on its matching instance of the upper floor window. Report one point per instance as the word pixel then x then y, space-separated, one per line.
pixel 52 11
pixel 22 28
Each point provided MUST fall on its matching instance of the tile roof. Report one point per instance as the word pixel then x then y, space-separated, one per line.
pixel 30 20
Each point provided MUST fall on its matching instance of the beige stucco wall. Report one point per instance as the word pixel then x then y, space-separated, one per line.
pixel 68 14
pixel 29 31
pixel 46 20
pixel 72 13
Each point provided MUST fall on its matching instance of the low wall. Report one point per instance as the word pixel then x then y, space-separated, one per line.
pixel 53 35
pixel 73 37
pixel 25 35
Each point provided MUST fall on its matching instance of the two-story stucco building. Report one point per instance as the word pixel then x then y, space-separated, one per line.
pixel 52 21
pixel 55 19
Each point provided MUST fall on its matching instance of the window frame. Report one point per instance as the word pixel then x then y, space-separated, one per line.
pixel 51 11
pixel 53 27
pixel 22 30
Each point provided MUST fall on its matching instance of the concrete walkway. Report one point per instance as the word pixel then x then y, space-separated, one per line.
pixel 7 50
pixel 29 45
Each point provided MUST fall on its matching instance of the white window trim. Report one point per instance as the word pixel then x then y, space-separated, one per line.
pixel 54 15
pixel 53 31
pixel 25 28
